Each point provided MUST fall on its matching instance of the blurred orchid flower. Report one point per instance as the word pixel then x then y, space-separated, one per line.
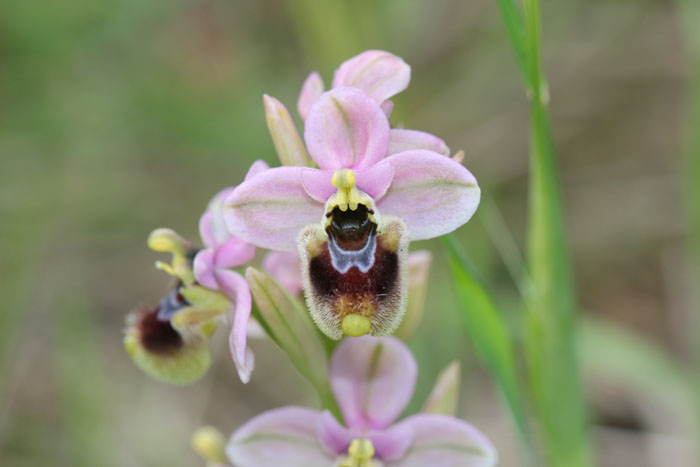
pixel 170 341
pixel 369 206
pixel 373 380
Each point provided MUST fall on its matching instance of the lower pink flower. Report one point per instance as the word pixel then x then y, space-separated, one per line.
pixel 372 380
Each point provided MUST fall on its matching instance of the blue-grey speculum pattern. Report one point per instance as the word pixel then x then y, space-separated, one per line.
pixel 352 239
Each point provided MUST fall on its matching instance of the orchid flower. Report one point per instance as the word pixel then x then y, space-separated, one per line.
pixel 353 217
pixel 372 380
pixel 170 341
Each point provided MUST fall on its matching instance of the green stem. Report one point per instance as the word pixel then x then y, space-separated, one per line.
pixel 328 402
pixel 549 302
pixel 550 306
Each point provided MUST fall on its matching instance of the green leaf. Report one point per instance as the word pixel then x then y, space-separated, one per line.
pixel 516 34
pixel 487 330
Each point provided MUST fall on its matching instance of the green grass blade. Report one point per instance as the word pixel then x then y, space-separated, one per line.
pixel 549 302
pixel 515 29
pixel 487 330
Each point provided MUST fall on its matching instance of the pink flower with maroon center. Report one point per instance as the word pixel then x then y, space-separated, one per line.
pixel 373 380
pixel 352 218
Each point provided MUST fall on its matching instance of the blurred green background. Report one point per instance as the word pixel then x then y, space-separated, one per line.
pixel 120 117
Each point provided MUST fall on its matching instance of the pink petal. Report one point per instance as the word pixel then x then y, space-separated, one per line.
pixel 285 436
pixel 205 230
pixel 404 140
pixel 235 287
pixel 445 441
pixel 387 107
pixel 334 437
pixel 285 268
pixel 374 180
pixel 285 136
pixel 346 129
pixel 317 183
pixel 310 91
pixel 203 268
pixel 212 227
pixel 378 73
pixel 433 194
pixel 233 253
pixel 392 443
pixel 270 209
pixel 255 168
pixel 372 379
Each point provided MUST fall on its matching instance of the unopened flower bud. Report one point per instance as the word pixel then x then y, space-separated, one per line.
pixel 445 394
pixel 418 271
pixel 209 443
pixel 458 157
pixel 288 322
pixel 285 136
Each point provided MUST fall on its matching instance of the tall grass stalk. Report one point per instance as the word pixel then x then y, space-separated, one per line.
pixel 549 302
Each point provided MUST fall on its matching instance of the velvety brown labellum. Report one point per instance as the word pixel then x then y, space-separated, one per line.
pixel 157 336
pixel 355 268
pixel 154 329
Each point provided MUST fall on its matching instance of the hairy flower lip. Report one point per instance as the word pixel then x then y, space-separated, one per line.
pixel 366 284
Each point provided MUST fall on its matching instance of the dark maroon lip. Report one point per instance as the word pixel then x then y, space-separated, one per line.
pixel 377 282
pixel 156 335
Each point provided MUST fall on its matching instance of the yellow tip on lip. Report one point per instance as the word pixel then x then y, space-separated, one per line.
pixel 356 325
